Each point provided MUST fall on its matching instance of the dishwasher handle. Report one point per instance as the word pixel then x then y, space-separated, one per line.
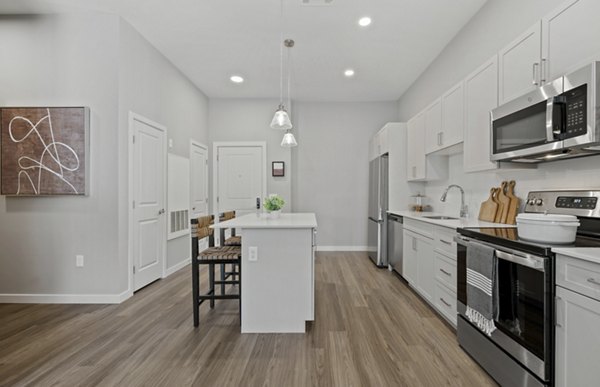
pixel 395 218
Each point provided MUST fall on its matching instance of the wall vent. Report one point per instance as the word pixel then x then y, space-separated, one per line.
pixel 316 3
pixel 179 221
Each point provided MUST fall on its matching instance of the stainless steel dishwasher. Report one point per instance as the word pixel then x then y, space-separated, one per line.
pixel 394 247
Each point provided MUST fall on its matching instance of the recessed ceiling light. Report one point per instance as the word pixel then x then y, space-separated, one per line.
pixel 364 21
pixel 236 79
pixel 349 73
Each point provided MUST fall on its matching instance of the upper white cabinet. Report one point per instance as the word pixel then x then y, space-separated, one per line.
pixel 481 96
pixel 379 143
pixel 519 64
pixel 433 126
pixel 415 148
pixel 452 116
pixel 444 120
pixel 570 36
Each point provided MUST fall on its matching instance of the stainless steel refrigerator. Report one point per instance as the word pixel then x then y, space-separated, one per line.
pixel 378 206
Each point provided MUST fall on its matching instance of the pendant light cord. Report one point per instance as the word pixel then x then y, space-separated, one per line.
pixel 289 77
pixel 281 56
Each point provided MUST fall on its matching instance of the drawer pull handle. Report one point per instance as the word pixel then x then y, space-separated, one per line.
pixel 445 303
pixel 446 242
pixel 593 281
pixel 445 272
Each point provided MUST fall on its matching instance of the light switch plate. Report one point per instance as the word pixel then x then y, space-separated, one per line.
pixel 79 260
pixel 252 253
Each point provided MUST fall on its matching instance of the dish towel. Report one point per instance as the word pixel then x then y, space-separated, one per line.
pixel 481 273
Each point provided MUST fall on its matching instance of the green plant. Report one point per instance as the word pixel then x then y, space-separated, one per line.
pixel 273 202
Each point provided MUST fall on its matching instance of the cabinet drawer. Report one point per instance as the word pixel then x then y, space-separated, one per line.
pixel 422 228
pixel 445 302
pixel 578 275
pixel 445 270
pixel 445 240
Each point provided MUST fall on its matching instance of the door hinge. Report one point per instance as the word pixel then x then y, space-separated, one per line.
pixel 133 269
pixel 134 204
pixel 206 161
pixel 217 157
pixel 217 199
pixel 133 138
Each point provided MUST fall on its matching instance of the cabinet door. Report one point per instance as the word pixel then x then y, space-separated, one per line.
pixel 519 64
pixel 415 152
pixel 570 37
pixel 481 96
pixel 425 274
pixel 383 137
pixel 452 116
pixel 577 339
pixel 409 262
pixel 433 126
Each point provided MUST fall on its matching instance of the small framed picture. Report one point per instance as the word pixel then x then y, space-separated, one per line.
pixel 278 168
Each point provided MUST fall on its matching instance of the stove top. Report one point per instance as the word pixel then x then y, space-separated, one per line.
pixel 509 238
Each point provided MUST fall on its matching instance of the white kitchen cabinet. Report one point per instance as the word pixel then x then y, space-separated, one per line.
pixel 409 262
pixel 379 143
pixel 481 96
pixel 452 117
pixel 570 37
pixel 519 64
pixel 425 274
pixel 415 148
pixel 433 126
pixel 577 339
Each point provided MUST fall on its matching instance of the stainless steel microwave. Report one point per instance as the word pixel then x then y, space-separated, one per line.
pixel 558 120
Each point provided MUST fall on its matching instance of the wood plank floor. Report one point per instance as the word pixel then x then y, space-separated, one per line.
pixel 370 330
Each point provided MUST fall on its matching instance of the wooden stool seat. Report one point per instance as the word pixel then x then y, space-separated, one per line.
pixel 218 254
pixel 235 240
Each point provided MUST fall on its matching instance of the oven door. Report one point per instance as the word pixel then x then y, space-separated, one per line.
pixel 527 125
pixel 524 316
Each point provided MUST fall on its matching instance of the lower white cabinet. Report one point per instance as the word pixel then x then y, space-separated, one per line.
pixel 577 322
pixel 409 262
pixel 425 278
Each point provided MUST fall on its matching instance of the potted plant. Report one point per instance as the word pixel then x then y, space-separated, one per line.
pixel 273 204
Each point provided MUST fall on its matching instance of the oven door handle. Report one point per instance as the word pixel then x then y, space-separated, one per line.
pixel 532 262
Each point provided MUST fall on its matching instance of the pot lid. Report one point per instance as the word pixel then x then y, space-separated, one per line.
pixel 548 217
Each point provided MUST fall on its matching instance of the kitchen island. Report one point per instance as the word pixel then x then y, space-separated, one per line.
pixel 278 284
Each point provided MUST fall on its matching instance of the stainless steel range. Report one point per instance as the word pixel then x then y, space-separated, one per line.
pixel 520 352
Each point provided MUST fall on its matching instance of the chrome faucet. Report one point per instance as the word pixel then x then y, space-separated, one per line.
pixel 464 210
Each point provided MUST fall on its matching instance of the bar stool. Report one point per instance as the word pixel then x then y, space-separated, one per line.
pixel 233 240
pixel 213 255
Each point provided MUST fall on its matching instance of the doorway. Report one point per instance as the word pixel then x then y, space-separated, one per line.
pixel 147 191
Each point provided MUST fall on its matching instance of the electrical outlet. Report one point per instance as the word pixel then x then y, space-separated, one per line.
pixel 79 260
pixel 253 254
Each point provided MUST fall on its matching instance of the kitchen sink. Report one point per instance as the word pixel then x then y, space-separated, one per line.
pixel 440 217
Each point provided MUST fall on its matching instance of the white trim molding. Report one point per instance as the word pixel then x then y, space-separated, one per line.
pixel 64 298
pixel 342 248
pixel 177 267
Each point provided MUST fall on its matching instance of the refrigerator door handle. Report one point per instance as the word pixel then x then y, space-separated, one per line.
pixel 375 220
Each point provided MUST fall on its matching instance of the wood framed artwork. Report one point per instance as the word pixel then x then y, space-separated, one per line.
pixel 45 150
pixel 278 169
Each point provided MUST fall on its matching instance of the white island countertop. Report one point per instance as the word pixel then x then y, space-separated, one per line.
pixel 450 223
pixel 261 220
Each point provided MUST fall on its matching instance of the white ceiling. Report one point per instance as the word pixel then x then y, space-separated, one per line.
pixel 209 40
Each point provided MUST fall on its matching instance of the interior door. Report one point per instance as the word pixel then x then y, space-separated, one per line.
pixel 149 183
pixel 198 179
pixel 241 177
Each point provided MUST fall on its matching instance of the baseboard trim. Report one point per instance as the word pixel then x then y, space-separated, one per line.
pixel 177 267
pixel 64 298
pixel 342 248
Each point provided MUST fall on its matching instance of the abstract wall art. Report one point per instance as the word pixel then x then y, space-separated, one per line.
pixel 44 151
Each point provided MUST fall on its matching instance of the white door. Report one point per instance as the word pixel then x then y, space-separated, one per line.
pixel 198 179
pixel 570 36
pixel 149 185
pixel 519 64
pixel 241 176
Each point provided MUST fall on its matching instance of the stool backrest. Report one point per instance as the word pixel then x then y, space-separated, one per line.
pixel 200 229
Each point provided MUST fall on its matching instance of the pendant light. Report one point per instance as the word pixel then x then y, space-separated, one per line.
pixel 289 141
pixel 281 119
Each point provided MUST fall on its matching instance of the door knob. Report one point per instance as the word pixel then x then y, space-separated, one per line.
pixel 162 211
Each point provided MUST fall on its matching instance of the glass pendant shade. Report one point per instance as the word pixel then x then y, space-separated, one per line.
pixel 281 119
pixel 289 141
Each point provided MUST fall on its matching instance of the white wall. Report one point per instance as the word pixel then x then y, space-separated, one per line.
pixel 151 86
pixel 249 120
pixel 496 25
pixel 331 166
pixel 66 60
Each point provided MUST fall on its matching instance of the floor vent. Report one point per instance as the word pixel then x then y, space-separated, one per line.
pixel 179 221
pixel 316 2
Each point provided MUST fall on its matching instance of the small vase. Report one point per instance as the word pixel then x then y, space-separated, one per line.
pixel 274 214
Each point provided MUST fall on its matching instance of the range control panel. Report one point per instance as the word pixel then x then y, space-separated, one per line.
pixel 579 203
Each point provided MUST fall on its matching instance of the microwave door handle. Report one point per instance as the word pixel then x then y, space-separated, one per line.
pixel 549 120
pixel 554 129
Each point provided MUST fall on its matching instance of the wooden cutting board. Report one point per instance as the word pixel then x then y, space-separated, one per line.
pixel 504 202
pixel 515 202
pixel 488 209
pixel 498 217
